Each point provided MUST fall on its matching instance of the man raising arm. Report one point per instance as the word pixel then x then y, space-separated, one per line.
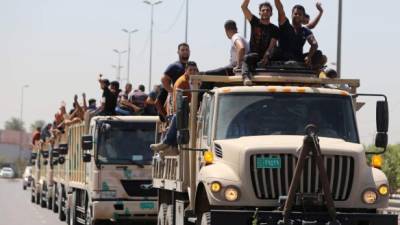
pixel 264 34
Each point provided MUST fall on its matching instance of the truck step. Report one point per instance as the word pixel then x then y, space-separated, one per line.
pixel 80 220
pixel 80 209
pixel 192 220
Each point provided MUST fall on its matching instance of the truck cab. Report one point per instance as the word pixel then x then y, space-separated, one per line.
pixel 240 146
pixel 109 164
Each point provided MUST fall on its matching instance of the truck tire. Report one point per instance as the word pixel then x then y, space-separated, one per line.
pixel 162 213
pixel 49 199
pixel 205 219
pixel 54 202
pixel 32 196
pixel 42 202
pixel 169 219
pixel 61 205
pixel 37 198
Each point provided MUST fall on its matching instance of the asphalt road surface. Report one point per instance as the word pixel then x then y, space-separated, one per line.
pixel 16 207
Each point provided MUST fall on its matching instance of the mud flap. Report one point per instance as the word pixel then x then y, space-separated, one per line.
pixel 243 217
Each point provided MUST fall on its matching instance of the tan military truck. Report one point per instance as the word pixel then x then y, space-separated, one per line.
pixel 108 170
pixel 41 174
pixel 60 179
pixel 239 154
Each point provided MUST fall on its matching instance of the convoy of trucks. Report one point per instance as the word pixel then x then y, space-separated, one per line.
pixel 285 150
pixel 98 171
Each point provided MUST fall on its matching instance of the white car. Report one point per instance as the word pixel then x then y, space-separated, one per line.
pixel 7 172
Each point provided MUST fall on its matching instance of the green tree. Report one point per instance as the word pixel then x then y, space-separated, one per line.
pixel 14 124
pixel 37 123
pixel 391 166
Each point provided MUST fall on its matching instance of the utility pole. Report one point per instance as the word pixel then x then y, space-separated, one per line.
pixel 129 32
pixel 21 120
pixel 118 77
pixel 187 21
pixel 339 40
pixel 151 4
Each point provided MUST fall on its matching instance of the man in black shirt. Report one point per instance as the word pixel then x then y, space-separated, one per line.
pixel 292 38
pixel 109 97
pixel 171 74
pixel 264 34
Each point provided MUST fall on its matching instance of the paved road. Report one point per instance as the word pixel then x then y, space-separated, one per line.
pixel 16 208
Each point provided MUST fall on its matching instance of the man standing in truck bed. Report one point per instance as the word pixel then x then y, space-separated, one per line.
pixel 264 34
pixel 171 74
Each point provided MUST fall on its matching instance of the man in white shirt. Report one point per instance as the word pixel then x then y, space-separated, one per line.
pixel 240 47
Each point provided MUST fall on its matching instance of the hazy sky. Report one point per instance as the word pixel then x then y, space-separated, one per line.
pixel 58 47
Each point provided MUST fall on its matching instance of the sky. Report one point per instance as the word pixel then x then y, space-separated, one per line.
pixel 59 47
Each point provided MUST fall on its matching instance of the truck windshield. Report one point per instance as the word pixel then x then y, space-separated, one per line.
pixel 255 114
pixel 125 142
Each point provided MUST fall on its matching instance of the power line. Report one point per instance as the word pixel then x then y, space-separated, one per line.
pixel 175 21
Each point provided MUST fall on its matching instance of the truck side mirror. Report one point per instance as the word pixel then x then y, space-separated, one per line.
pixel 45 154
pixel 381 140
pixel 63 149
pixel 61 160
pixel 55 153
pixel 382 116
pixel 86 157
pixel 87 142
pixel 182 118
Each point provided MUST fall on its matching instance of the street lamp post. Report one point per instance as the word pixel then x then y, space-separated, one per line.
pixel 119 63
pixel 151 4
pixel 339 41
pixel 187 21
pixel 129 32
pixel 21 120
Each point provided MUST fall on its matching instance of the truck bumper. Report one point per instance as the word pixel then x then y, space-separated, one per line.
pixel 243 217
pixel 125 210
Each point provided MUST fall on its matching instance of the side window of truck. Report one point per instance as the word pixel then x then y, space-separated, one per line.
pixel 207 109
pixel 205 116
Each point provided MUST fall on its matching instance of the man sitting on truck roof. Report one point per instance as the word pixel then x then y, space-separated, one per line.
pixel 238 50
pixel 169 143
pixel 264 34
pixel 292 38
pixel 171 74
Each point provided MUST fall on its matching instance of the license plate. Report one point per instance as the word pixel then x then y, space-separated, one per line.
pixel 269 163
pixel 147 205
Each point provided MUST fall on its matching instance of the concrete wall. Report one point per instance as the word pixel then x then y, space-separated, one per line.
pixel 9 153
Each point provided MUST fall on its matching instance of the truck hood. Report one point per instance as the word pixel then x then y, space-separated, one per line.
pixel 234 151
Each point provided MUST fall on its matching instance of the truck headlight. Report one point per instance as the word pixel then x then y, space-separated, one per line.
pixel 231 194
pixel 369 196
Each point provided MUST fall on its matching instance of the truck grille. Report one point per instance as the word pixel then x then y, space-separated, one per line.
pixel 134 188
pixel 272 183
